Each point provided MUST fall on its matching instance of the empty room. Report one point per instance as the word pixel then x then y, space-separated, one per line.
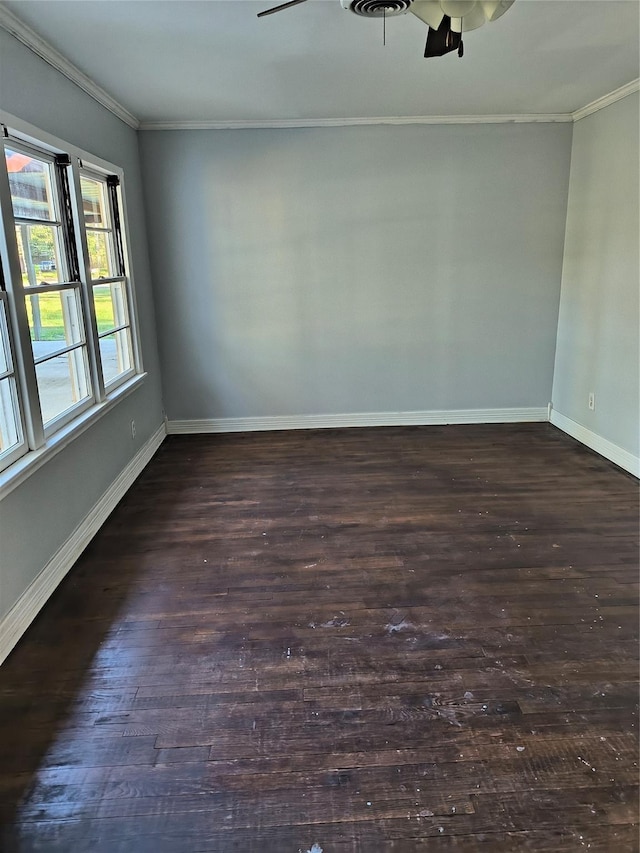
pixel 319 426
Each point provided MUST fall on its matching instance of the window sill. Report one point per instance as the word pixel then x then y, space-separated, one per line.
pixel 28 464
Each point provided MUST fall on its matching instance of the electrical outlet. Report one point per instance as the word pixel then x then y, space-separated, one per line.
pixel 592 401
pixel 133 429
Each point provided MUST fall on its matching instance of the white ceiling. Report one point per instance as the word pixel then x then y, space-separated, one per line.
pixel 213 60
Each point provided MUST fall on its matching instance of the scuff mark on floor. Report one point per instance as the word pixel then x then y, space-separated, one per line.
pixel 405 625
pixel 336 622
pixel 449 715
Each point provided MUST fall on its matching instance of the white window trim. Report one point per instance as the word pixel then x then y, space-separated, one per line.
pixel 18 450
pixel 63 430
pixel 29 462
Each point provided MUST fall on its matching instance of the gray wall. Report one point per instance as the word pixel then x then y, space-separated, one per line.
pixel 40 515
pixel 362 269
pixel 597 347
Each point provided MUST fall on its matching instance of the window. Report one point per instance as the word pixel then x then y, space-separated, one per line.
pixel 49 279
pixel 68 342
pixel 100 207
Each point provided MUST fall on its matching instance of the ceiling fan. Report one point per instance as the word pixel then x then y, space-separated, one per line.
pixel 446 19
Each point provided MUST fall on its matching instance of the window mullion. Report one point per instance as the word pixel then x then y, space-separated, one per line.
pixel 31 220
pixel 26 372
pixel 84 263
pixel 63 351
pixel 113 331
pixel 54 287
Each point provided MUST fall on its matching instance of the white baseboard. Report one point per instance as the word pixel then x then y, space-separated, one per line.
pixel 358 419
pixel 27 607
pixel 596 442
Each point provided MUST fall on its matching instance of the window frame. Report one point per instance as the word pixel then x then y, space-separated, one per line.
pixel 94 173
pixel 40 441
pixel 14 451
pixel 66 284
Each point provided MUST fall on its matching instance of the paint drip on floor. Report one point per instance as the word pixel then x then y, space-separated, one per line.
pixel 315 849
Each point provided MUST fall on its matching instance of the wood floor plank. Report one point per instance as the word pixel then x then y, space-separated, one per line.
pixel 390 639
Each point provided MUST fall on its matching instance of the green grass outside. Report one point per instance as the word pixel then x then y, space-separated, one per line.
pixel 51 322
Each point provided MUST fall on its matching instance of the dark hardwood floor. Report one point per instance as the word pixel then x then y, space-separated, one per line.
pixel 401 639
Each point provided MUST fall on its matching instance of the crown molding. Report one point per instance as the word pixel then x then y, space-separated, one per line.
pixel 607 100
pixel 518 118
pixel 17 28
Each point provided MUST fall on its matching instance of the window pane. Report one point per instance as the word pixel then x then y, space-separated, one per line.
pixel 110 302
pixel 62 382
pixel 30 183
pixel 116 354
pixel 54 320
pixel 39 254
pixel 98 243
pixel 93 204
pixel 10 432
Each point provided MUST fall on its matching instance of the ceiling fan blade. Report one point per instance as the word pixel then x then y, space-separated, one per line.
pixel 443 40
pixel 280 7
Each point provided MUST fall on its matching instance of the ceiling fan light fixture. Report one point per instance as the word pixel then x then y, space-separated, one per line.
pixel 494 9
pixel 471 21
pixel 457 8
pixel 429 11
pixel 465 15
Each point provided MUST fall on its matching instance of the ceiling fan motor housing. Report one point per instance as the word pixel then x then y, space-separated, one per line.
pixel 377 8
